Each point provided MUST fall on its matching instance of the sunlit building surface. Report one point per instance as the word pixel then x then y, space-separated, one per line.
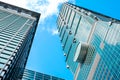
pixel 33 75
pixel 17 30
pixel 91 43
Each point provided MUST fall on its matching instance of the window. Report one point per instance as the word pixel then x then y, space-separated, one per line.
pixel 83 31
pixel 75 23
pixel 71 19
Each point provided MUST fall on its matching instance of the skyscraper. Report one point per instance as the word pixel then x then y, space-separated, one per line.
pixel 33 75
pixel 17 30
pixel 91 43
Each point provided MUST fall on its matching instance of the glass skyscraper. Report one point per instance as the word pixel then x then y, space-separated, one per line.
pixel 91 43
pixel 17 30
pixel 33 75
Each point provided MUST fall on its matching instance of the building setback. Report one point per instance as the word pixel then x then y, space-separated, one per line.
pixel 33 75
pixel 17 30
pixel 91 43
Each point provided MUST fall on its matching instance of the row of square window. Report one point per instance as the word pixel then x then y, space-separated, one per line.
pixel 13 43
pixel 102 72
pixel 7 52
pixel 12 18
pixel 106 52
pixel 3 14
pixel 85 68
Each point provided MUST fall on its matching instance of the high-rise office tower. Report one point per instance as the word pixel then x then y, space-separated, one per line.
pixel 17 30
pixel 91 43
pixel 33 75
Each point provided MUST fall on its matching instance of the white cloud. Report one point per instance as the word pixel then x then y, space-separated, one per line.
pixel 52 31
pixel 45 7
pixel 20 3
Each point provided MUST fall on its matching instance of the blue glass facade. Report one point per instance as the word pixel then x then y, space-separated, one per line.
pixel 33 75
pixel 17 30
pixel 91 43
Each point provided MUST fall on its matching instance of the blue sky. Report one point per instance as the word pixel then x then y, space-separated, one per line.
pixel 46 54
